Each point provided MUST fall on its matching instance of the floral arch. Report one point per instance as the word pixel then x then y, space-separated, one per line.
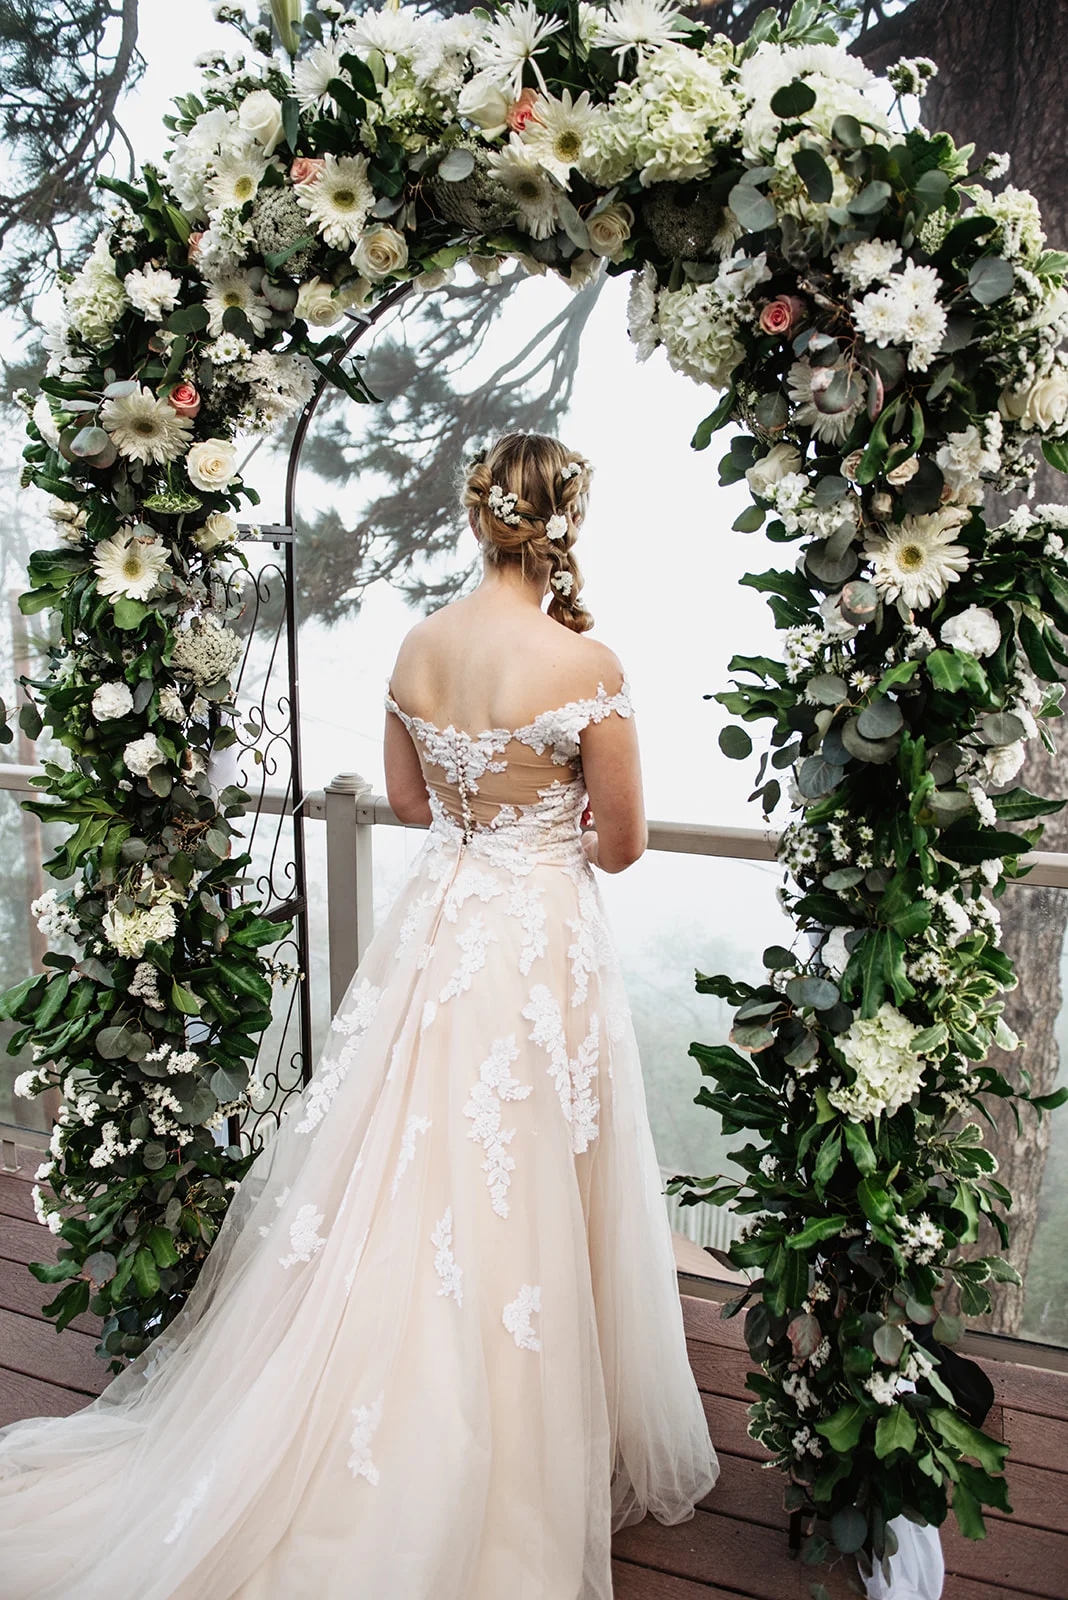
pixel 888 333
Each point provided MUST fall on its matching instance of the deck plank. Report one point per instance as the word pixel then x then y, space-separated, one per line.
pixel 26 1241
pixel 33 1348
pixel 16 1199
pixel 20 1291
pixel 22 1396
pixel 630 1582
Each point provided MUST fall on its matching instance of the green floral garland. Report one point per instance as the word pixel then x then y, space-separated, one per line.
pixel 889 333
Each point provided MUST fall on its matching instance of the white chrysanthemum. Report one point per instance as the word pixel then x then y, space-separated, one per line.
pixel 339 199
pixel 906 310
pixel 529 186
pixel 514 37
pixel 112 700
pixel 393 33
pixel 143 428
pixel 870 261
pixel 918 560
pixel 556 133
pixel 641 312
pixel 832 428
pixel 887 1071
pixel 237 177
pixel 235 291
pixel 838 80
pixel 640 25
pixel 312 75
pixel 129 564
pixel 975 630
pixel 129 931
pixel 666 123
pixel 699 339
pixel 141 755
pixel 153 291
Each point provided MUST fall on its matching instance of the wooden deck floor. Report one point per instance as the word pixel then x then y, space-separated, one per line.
pixel 735 1547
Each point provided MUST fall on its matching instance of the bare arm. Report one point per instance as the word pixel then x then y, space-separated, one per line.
pixel 612 769
pixel 405 788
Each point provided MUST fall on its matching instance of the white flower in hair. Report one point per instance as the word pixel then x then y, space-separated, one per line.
pixel 556 527
pixel 563 583
pixel 503 504
pixel 572 470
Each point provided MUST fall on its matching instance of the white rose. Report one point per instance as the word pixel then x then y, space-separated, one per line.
pixel 211 464
pixel 903 472
pixel 610 229
pixel 483 101
pixel 218 529
pixel 850 465
pixel 1042 404
pixel 261 115
pixel 380 252
pixel 112 700
pixel 975 630
pixel 780 461
pixel 317 305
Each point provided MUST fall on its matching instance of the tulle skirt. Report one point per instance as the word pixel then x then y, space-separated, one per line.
pixel 437 1348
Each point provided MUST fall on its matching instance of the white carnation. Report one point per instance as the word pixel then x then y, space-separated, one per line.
pixel 112 700
pixel 975 630
pixel 141 755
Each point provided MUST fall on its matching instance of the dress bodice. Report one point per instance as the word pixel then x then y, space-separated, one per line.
pixel 511 789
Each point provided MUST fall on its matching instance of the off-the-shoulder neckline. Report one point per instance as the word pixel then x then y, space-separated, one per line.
pixel 602 697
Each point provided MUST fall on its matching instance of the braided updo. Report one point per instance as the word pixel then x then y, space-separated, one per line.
pixel 550 485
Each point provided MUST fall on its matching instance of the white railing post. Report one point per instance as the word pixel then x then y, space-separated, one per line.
pixel 349 880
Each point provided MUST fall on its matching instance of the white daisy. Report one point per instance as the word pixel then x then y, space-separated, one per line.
pixel 555 134
pixel 512 39
pixel 234 291
pixel 312 74
pixel 143 428
pixel 129 564
pixel 640 25
pixel 339 199
pixel 919 560
pixel 238 174
pixel 529 185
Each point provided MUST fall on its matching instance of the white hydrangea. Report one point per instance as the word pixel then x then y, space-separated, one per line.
pixel 699 338
pixel 664 124
pixel 887 1070
pixel 1019 235
pixel 94 299
pixel 206 651
pixel 129 931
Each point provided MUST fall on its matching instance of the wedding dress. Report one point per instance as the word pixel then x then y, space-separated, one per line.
pixel 437 1347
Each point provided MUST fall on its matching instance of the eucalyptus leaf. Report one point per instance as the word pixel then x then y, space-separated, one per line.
pixel 753 210
pixel 990 279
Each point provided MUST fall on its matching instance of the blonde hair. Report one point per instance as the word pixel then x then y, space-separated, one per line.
pixel 548 480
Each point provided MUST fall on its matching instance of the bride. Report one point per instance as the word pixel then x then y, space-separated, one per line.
pixel 437 1347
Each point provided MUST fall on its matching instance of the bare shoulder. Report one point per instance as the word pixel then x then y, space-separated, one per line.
pixel 596 665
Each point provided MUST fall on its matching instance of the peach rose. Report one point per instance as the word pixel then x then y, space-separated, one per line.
pixel 781 315
pixel 193 247
pixel 521 111
pixel 306 169
pixel 185 399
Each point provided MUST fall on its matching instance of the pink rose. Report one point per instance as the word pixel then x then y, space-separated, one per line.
pixel 306 169
pixel 522 111
pixel 193 247
pixel 780 316
pixel 185 399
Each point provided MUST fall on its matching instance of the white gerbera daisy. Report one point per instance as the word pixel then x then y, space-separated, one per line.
pixel 529 186
pixel 234 291
pixel 143 428
pixel 238 175
pixel 129 564
pixel 513 38
pixel 339 199
pixel 919 560
pixel 833 428
pixel 640 25
pixel 312 74
pixel 555 134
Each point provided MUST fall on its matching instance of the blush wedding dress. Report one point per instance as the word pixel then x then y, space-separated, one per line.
pixel 437 1347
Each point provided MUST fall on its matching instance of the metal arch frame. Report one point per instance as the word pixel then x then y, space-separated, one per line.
pixel 283 538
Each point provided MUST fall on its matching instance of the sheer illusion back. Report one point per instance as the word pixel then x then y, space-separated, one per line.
pixel 436 1351
pixel 523 784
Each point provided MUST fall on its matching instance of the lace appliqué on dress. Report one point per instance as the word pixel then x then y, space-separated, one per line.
pixel 559 730
pixel 352 1024
pixel 414 1125
pixel 367 1420
pixel 304 1236
pixel 495 1085
pixel 474 942
pixel 517 1314
pixel 574 1079
pixel 451 1275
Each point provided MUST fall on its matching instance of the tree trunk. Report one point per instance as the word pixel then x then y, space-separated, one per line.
pixel 1000 83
